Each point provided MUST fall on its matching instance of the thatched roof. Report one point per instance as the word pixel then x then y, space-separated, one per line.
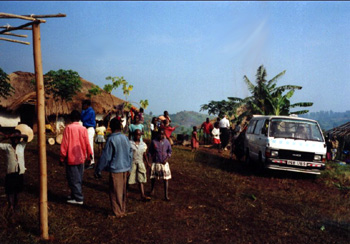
pixel 340 131
pixel 25 94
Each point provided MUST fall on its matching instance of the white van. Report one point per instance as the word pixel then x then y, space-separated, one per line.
pixel 285 143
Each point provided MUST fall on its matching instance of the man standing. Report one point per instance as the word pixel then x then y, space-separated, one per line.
pixel 224 125
pixel 335 145
pixel 75 149
pixel 88 118
pixel 116 158
pixel 207 128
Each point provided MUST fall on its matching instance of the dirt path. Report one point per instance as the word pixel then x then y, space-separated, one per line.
pixel 213 200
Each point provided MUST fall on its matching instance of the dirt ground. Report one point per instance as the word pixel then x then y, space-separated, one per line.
pixel 213 200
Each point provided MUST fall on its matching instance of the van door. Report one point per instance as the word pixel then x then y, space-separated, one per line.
pixel 259 141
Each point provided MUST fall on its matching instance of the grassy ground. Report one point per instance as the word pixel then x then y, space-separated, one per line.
pixel 213 200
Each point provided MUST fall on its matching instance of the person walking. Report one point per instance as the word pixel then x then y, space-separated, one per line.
pixel 224 125
pixel 116 159
pixel 75 150
pixel 88 117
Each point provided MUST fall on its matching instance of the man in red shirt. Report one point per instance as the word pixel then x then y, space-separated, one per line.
pixel 207 128
pixel 75 150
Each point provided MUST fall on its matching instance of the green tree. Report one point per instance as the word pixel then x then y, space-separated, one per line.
pixel 109 88
pixel 94 91
pixel 5 87
pixel 126 88
pixel 266 98
pixel 63 85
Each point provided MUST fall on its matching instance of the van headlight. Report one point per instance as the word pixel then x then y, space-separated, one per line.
pixel 318 157
pixel 274 153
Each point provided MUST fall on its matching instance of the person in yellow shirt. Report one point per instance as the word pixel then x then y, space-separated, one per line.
pixel 100 136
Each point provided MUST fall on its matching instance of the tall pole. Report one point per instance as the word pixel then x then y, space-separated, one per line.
pixel 40 93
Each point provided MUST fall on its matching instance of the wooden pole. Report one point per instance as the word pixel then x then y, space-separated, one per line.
pixel 10 16
pixel 44 228
pixel 21 27
pixel 11 34
pixel 11 40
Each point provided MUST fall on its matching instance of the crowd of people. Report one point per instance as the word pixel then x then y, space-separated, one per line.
pixel 124 154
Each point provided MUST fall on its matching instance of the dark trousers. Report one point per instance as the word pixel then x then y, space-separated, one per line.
pixel 224 137
pixel 74 175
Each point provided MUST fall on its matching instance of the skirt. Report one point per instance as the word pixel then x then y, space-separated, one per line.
pixel 160 171
pixel 100 139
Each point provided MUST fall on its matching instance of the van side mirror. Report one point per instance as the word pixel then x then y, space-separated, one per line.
pixel 264 131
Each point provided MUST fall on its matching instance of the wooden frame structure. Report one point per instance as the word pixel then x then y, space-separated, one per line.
pixel 34 26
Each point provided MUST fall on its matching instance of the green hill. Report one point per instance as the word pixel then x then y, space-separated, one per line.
pixel 184 119
pixel 329 119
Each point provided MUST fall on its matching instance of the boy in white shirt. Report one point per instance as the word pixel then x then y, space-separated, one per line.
pixel 15 166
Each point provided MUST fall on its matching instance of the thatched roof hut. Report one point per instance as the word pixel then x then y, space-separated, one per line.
pixel 342 133
pixel 25 94
pixel 23 101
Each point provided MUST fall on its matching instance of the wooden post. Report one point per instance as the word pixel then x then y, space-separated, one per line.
pixel 44 228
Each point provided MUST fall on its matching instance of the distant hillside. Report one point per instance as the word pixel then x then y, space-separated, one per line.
pixel 329 119
pixel 185 120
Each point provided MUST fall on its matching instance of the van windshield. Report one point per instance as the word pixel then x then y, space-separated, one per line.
pixel 295 129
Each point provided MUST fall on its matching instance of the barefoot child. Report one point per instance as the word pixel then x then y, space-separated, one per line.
pixel 194 140
pixel 216 135
pixel 138 172
pixel 15 166
pixel 160 151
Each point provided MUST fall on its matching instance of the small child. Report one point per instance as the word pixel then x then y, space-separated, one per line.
pixel 15 166
pixel 216 136
pixel 160 151
pixel 194 140
pixel 138 172
pixel 100 138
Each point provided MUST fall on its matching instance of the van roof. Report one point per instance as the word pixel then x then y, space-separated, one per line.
pixel 281 117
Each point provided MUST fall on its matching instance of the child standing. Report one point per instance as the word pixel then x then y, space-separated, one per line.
pixel 194 140
pixel 216 136
pixel 15 167
pixel 100 136
pixel 160 151
pixel 138 172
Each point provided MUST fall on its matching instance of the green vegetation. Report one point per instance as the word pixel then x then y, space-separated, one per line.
pixel 63 85
pixel 126 88
pixel 5 87
pixel 266 98
pixel 94 91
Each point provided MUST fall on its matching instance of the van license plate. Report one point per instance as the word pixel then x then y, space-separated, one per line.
pixel 297 163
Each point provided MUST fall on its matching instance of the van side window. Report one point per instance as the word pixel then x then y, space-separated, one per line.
pixel 258 127
pixel 251 127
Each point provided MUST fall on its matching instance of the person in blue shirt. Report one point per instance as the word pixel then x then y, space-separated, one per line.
pixel 88 117
pixel 116 159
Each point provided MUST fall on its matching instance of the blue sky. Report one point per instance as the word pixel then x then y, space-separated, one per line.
pixel 180 55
